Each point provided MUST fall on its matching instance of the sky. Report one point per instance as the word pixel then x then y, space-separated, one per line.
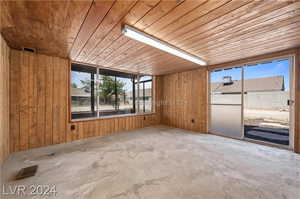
pixel 77 76
pixel 270 69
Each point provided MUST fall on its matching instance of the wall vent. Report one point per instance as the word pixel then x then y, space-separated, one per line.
pixel 227 80
pixel 27 172
pixel 31 50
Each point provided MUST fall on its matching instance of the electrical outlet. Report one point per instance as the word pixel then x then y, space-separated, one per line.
pixel 73 127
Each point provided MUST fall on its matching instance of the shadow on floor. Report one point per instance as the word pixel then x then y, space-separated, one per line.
pixel 273 135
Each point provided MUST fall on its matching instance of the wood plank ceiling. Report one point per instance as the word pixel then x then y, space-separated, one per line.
pixel 90 31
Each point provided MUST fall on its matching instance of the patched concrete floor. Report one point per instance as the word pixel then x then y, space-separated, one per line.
pixel 161 163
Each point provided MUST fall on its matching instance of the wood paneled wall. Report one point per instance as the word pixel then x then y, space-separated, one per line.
pixel 4 100
pixel 39 103
pixel 297 104
pixel 185 100
pixel 39 109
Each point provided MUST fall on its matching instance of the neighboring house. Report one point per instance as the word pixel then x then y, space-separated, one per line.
pixel 259 93
pixel 80 96
pixel 250 85
pixel 148 94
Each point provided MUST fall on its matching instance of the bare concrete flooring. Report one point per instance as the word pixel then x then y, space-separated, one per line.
pixel 161 163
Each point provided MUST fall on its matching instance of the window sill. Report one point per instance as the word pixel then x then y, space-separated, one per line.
pixel 110 117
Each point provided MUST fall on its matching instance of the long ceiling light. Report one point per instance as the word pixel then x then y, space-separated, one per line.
pixel 156 43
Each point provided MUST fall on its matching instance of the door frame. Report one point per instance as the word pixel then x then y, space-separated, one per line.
pixel 292 113
pixel 293 91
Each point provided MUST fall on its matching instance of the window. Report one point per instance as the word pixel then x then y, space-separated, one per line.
pixel 125 89
pixel 97 92
pixel 115 90
pixel 145 94
pixel 82 91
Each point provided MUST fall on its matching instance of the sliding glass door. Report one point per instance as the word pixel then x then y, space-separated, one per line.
pixel 254 101
pixel 226 102
pixel 267 101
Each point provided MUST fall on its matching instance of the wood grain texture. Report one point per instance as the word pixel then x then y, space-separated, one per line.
pixel 4 100
pixel 89 31
pixel 283 53
pixel 297 102
pixel 179 98
pixel 185 99
pixel 97 12
pixel 118 10
pixel 48 26
pixel 39 109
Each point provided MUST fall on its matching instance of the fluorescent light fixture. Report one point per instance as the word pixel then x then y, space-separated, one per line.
pixel 156 43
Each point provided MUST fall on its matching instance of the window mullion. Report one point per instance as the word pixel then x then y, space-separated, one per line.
pixel 144 108
pixel 93 90
pixel 92 93
pixel 116 95
pixel 98 91
pixel 138 94
pixel 133 95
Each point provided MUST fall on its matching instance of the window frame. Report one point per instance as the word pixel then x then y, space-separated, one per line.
pixel 288 54
pixel 85 114
pixel 115 112
pixel 96 116
pixel 143 94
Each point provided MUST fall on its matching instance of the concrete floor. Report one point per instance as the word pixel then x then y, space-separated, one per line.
pixel 161 163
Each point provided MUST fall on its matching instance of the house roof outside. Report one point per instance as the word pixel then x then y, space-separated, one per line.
pixel 81 92
pixel 275 83
pixel 148 92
